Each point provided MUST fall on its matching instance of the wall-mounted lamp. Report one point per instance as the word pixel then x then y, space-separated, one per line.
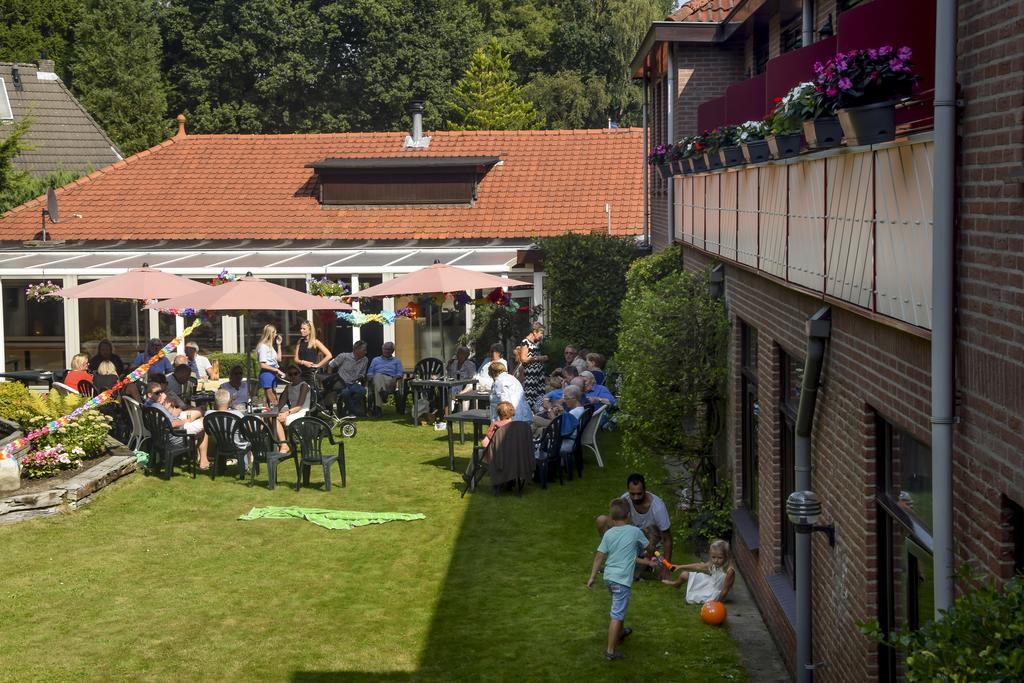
pixel 717 281
pixel 826 30
pixel 804 510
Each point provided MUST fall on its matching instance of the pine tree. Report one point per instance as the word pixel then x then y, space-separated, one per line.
pixel 116 71
pixel 488 97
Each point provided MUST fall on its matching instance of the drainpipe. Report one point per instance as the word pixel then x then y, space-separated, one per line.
pixel 943 273
pixel 818 329
pixel 807 23
pixel 670 134
pixel 647 167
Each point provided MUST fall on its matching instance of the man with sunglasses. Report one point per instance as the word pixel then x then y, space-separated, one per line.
pixel 189 420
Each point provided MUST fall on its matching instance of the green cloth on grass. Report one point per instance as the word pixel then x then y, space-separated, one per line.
pixel 331 519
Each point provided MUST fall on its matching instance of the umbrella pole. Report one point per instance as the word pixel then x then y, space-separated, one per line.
pixel 135 318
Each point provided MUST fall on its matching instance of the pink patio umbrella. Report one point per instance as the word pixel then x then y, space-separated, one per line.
pixel 141 284
pixel 439 278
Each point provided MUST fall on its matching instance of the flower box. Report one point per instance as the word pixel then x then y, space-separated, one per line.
pixel 731 155
pixel 676 166
pixel 698 163
pixel 784 146
pixel 712 161
pixel 823 132
pixel 868 124
pixel 665 170
pixel 755 151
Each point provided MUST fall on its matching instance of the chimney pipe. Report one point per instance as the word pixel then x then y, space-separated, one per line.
pixel 416 140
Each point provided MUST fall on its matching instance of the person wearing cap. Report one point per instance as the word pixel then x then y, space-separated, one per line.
pixel 596 393
pixel 161 365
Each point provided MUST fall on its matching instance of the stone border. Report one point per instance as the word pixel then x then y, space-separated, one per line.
pixel 69 495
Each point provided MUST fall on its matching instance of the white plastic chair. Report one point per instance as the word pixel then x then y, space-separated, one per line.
pixel 65 390
pixel 589 437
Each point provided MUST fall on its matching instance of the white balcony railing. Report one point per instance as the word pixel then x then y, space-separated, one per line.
pixel 853 225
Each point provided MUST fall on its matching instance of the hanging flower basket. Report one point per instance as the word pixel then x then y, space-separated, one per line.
pixel 731 155
pixel 869 124
pixel 824 132
pixel 755 152
pixel 784 146
pixel 43 291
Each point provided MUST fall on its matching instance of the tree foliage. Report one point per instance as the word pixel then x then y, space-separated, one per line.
pixel 487 96
pixel 586 281
pixel 117 72
pixel 31 28
pixel 17 187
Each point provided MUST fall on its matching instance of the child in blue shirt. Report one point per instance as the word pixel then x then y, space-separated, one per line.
pixel 622 545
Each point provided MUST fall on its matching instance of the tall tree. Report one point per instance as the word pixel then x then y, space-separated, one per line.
pixel 488 97
pixel 30 28
pixel 116 71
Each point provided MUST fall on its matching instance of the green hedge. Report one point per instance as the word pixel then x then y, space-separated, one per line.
pixel 227 360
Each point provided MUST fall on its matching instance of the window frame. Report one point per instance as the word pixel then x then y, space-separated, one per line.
pixel 750 409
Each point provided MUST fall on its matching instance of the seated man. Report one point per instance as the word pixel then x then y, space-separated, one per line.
pixel 350 369
pixel 384 374
pixel 200 366
pixel 189 420
pixel 237 388
pixel 573 359
pixel 596 393
pixel 646 511
pixel 161 365
pixel 179 378
pixel 222 404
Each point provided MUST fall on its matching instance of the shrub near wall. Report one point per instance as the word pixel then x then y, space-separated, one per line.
pixel 585 283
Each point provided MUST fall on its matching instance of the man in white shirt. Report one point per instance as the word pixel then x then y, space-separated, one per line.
pixel 646 511
pixel 508 388
pixel 237 388
pixel 199 365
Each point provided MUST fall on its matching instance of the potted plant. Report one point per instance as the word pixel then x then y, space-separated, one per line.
pixel 729 151
pixel 784 125
pixel 659 159
pixel 752 143
pixel 713 142
pixel 675 159
pixel 697 159
pixel 818 110
pixel 866 85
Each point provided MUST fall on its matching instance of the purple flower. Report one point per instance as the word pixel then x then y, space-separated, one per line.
pixel 818 68
pixel 872 53
pixel 845 83
pixel 896 65
pixel 904 53
pixel 831 92
pixel 885 50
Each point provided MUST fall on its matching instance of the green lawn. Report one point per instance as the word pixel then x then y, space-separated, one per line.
pixel 159 581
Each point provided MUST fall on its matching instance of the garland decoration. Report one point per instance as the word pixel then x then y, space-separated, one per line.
pixel 43 291
pixel 358 318
pixel 97 400
pixel 223 277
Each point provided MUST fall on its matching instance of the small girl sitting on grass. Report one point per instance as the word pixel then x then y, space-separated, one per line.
pixel 707 580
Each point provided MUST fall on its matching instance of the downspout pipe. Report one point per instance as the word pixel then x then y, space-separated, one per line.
pixel 818 331
pixel 807 23
pixel 943 272
pixel 670 134
pixel 647 166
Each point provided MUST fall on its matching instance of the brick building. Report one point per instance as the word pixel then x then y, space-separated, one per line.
pixel 851 229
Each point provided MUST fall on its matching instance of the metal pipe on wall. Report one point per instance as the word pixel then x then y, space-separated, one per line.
pixel 647 167
pixel 943 272
pixel 670 135
pixel 807 23
pixel 818 330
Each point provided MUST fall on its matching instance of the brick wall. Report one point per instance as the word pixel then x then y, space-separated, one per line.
pixel 704 73
pixel 822 10
pixel 774 34
pixel 989 441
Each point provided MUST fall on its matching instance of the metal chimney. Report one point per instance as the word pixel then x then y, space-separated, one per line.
pixel 416 139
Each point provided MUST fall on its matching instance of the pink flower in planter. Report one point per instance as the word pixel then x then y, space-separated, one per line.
pixel 885 50
pixel 818 67
pixel 904 53
pixel 872 53
pixel 845 84
pixel 873 75
pixel 832 92
pixel 897 66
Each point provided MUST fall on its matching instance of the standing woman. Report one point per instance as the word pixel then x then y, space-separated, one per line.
pixel 310 352
pixel 532 363
pixel 268 351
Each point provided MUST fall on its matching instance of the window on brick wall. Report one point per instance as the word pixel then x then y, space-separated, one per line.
pixel 905 567
pixel 751 409
pixel 791 371
pixel 1013 518
pixel 761 49
pixel 791 35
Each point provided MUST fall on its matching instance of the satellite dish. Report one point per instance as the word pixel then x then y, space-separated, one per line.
pixel 51 205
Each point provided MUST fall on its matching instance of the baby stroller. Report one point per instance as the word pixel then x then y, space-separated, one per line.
pixel 321 407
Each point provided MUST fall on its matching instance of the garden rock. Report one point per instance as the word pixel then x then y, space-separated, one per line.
pixel 10 475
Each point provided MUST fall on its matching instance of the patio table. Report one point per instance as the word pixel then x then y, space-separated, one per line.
pixel 28 377
pixel 480 419
pixel 445 385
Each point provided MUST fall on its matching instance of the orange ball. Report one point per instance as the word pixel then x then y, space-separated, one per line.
pixel 713 612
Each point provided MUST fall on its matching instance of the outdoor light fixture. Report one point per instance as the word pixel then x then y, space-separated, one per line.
pixel 804 510
pixel 717 280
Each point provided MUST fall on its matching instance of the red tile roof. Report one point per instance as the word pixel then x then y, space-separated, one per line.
pixel 706 11
pixel 257 187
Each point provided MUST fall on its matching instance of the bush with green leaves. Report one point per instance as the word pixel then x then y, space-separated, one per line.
pixel 496 324
pixel 87 432
pixel 585 282
pixel 226 360
pixel 981 638
pixel 15 401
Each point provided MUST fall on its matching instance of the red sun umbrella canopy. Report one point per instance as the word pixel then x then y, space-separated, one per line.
pixel 139 283
pixel 439 278
pixel 249 293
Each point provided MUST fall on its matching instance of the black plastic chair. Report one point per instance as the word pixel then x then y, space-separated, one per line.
pixel 167 443
pixel 427 368
pixel 86 388
pixel 306 436
pixel 188 389
pixel 549 453
pixel 577 440
pixel 223 427
pixel 264 446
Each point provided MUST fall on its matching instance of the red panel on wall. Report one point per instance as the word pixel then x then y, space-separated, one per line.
pixel 711 114
pixel 745 101
pixel 882 22
pixel 795 67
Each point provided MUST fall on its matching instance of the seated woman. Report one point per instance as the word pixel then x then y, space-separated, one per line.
pixel 595 363
pixel 106 376
pixel 79 371
pixel 294 402
pixel 105 352
pixel 483 377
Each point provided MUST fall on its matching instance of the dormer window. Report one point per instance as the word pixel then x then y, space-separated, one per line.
pixel 401 180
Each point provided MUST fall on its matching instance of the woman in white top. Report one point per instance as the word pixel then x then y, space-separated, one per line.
pixel 270 362
pixel 294 402
pixel 483 378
